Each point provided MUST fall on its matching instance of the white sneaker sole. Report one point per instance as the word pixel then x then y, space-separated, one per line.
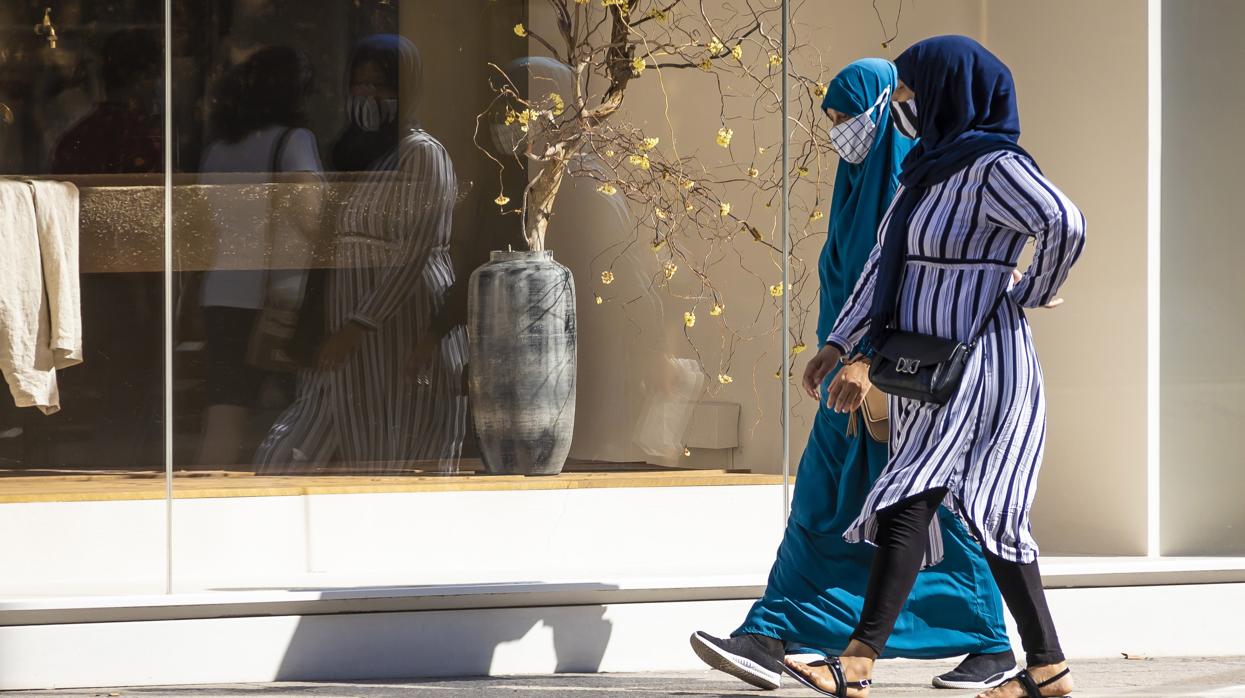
pixel 741 668
pixel 996 680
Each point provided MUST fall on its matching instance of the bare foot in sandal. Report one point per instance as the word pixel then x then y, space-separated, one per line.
pixel 825 676
pixel 1049 681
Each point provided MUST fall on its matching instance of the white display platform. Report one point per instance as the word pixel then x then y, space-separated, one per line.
pixel 466 583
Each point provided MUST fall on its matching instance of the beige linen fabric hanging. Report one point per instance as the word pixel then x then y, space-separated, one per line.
pixel 40 308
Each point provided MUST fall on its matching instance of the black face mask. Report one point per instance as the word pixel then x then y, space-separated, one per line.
pixel 903 114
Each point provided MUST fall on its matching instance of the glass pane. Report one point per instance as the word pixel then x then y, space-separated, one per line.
pixel 378 364
pixel 1202 287
pixel 82 460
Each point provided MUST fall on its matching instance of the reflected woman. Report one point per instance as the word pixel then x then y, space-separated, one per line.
pixel 386 390
pixel 816 588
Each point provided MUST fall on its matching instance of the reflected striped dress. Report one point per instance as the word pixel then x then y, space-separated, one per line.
pixel 392 274
pixel 985 446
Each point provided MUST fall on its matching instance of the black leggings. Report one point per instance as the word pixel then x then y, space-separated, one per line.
pixel 901 541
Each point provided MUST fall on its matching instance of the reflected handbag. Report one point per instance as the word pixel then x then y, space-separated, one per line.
pixel 924 367
pixel 269 347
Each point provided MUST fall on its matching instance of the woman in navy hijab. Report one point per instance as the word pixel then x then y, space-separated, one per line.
pixel 969 202
pixel 817 585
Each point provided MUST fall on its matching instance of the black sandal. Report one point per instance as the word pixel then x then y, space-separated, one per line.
pixel 841 684
pixel 1033 689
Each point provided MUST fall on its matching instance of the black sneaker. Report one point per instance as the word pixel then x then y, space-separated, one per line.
pixel 980 671
pixel 753 659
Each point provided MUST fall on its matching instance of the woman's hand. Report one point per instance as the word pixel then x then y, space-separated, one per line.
pixel 848 389
pixel 818 366
pixel 339 346
pixel 1017 276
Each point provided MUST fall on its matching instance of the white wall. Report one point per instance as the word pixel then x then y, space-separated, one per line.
pixel 1203 290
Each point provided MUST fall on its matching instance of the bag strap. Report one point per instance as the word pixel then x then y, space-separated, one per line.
pixel 274 164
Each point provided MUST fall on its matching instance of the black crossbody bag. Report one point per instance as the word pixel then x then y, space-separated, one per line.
pixel 922 366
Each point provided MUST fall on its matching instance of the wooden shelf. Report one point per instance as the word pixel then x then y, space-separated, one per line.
pixel 124 486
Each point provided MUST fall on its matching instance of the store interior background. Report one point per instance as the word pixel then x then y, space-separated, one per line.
pixel 1082 71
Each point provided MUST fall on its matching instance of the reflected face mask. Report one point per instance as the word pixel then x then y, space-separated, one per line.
pixel 904 115
pixel 369 113
pixel 853 139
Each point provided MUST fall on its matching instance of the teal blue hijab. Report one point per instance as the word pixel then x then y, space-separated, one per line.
pixel 861 192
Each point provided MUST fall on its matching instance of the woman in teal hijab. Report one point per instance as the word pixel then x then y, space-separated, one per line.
pixel 816 587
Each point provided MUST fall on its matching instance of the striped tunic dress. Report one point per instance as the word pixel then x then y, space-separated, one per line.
pixel 985 445
pixel 392 274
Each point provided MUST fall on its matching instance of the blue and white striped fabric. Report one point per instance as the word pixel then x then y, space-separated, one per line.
pixel 964 239
pixel 393 272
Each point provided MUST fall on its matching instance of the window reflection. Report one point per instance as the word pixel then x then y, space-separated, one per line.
pixel 249 314
pixel 385 392
pixel 89 110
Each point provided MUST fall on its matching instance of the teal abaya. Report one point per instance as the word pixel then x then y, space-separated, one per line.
pixel 817 584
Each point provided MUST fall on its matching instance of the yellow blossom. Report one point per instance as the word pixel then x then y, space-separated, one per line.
pixel 717 309
pixel 776 290
pixel 511 116
pixel 737 51
pixel 669 268
pixel 526 117
pixel 819 90
pixel 724 136
pixel 689 207
pixel 502 200
pixel 559 106
pixel 608 189
pixel 724 209
pixel 688 184
pixel 798 349
pixel 599 300
pixel 609 152
pixel 725 379
pixel 689 319
pixel 653 13
pixel 649 143
pixel 658 245
pixel 581 2
pixel 803 171
pixel 660 213
pixel 752 172
pixel 640 161
pixel 638 65
pixel 816 216
pixel 520 30
pixel 775 60
pixel 761 150
pixel 706 65
pixel 607 277
pixel 715 47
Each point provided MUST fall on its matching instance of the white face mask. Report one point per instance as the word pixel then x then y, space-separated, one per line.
pixel 904 115
pixel 370 114
pixel 853 139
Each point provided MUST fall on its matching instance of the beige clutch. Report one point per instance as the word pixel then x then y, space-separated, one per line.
pixel 873 412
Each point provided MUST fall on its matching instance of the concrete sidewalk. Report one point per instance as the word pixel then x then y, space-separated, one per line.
pixel 1151 678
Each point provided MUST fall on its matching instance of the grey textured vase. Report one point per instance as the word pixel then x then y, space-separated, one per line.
pixel 521 333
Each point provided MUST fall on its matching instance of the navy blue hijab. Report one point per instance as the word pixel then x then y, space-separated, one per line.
pixel 965 107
